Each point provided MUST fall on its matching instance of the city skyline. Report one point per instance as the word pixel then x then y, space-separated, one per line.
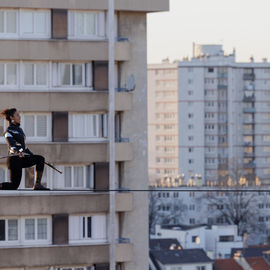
pixel 207 23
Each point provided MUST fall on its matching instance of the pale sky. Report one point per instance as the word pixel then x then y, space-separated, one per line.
pixel 240 24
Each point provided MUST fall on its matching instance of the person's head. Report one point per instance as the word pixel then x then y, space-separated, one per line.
pixel 12 116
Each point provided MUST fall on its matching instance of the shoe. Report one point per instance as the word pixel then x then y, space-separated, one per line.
pixel 38 186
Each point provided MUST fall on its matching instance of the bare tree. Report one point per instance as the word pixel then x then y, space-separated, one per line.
pixel 236 208
pixel 164 211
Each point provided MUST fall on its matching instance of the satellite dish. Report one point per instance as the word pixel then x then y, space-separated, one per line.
pixel 131 83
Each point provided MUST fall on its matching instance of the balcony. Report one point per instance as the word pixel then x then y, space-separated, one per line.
pixel 35 257
pixel 25 203
pixel 249 98
pixel 250 165
pixel 249 110
pixel 222 87
pixel 126 5
pixel 246 154
pixel 249 76
pixel 91 101
pixel 82 152
pixel 55 50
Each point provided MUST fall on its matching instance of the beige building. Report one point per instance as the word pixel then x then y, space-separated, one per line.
pixel 162 123
pixel 54 69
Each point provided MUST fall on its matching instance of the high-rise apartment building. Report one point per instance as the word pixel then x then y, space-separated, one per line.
pixel 224 112
pixel 162 123
pixel 54 70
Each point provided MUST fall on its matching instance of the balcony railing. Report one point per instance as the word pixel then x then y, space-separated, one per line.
pixel 249 110
pixel 249 76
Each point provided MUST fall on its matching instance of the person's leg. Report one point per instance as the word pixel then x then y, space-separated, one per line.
pixel 37 160
pixel 15 171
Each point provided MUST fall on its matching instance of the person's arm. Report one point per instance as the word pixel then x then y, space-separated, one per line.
pixel 13 148
pixel 27 151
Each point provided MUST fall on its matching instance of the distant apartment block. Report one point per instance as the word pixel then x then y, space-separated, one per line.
pixel 162 122
pixel 224 117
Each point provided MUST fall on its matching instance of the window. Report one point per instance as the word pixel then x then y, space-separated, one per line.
pixel 87 228
pixel 3 127
pixel 35 23
pixel 190 150
pixel 8 74
pixel 79 176
pixel 190 161
pixel 72 75
pixel 190 93
pixel 190 115
pixel 87 126
pixel 226 238
pixel 190 138
pixel 37 127
pixel 192 221
pixel 8 23
pixel 86 25
pixel 201 268
pixel 35 74
pixel 210 70
pixel 36 229
pixel 4 174
pixel 192 207
pixel 194 238
pixel 9 230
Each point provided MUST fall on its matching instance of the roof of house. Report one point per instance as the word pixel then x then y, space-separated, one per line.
pixel 251 251
pixel 183 256
pixel 164 244
pixel 258 263
pixel 182 227
pixel 226 264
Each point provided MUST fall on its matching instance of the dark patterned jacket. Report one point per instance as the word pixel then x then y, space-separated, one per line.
pixel 15 138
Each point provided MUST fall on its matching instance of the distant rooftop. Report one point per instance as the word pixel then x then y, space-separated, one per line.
pixel 180 256
pixel 251 251
pixel 227 264
pixel 181 227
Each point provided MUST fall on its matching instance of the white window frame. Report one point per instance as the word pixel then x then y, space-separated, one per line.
pixel 47 138
pixel 98 222
pixel 10 86
pixel 6 35
pixel 59 179
pixel 35 35
pixel 36 241
pixel 87 77
pixel 11 242
pixel 2 138
pixel 99 128
pixel 100 25
pixel 6 171
pixel 35 85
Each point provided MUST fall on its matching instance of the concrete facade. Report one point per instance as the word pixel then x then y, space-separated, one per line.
pixel 131 153
pixel 162 122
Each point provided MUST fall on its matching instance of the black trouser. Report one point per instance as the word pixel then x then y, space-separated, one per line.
pixel 15 165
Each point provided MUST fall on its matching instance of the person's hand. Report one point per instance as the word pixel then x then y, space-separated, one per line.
pixel 21 154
